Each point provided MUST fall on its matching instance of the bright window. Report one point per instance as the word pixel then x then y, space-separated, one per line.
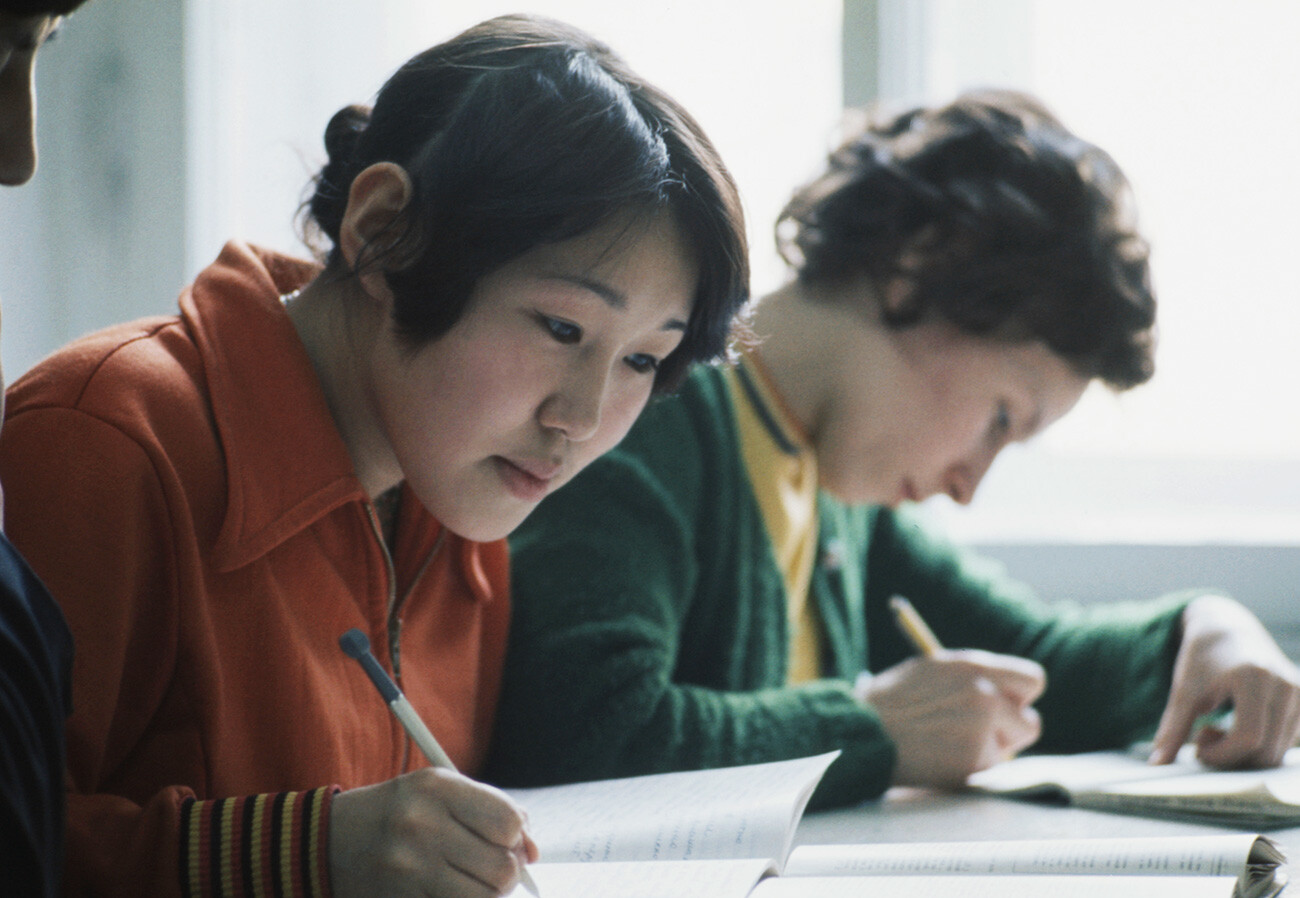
pixel 765 87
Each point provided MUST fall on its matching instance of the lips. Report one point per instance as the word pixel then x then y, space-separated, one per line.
pixel 527 479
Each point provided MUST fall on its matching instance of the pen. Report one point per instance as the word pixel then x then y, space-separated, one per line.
pixel 914 628
pixel 356 645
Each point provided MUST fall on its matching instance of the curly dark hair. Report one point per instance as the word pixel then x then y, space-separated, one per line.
pixel 524 131
pixel 1000 220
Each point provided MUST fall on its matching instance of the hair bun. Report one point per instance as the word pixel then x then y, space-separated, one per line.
pixel 344 130
pixel 324 211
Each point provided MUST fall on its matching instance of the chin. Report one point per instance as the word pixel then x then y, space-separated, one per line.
pixel 853 496
pixel 850 493
pixel 486 529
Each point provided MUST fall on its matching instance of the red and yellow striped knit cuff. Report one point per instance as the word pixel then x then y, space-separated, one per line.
pixel 260 845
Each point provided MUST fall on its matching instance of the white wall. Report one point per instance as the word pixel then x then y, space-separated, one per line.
pixel 98 235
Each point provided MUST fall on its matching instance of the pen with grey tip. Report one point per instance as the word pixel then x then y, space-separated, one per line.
pixel 356 645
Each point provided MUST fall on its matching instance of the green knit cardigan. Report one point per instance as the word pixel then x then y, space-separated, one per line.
pixel 650 624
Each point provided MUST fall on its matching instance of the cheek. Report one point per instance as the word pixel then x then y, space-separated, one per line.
pixel 865 453
pixel 439 415
pixel 469 388
pixel 621 409
pixel 963 434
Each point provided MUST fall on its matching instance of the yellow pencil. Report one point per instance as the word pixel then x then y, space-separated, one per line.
pixel 914 628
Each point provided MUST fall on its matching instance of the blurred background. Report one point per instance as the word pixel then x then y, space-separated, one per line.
pixel 167 128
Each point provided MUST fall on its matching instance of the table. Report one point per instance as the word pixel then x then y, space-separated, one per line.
pixel 917 815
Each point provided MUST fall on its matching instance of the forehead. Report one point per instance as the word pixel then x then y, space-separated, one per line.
pixel 620 238
pixel 625 259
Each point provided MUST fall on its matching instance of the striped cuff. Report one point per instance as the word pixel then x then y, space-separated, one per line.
pixel 261 845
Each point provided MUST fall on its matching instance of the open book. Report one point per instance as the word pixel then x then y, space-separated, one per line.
pixel 709 833
pixel 1124 781
pixel 1235 864
pixel 728 833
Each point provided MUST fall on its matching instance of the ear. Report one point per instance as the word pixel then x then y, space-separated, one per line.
pixel 898 294
pixel 377 198
pixel 895 297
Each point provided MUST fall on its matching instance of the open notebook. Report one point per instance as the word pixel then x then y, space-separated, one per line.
pixel 728 834
pixel 1123 781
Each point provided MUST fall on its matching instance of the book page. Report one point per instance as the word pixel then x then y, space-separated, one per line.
pixel 1280 784
pixel 1211 855
pixel 1124 782
pixel 1097 769
pixel 732 812
pixel 643 879
pixel 1066 774
pixel 996 887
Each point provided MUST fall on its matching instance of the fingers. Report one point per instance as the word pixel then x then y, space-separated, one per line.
pixel 948 721
pixel 1175 725
pixel 492 844
pixel 1265 720
pixel 483 810
pixel 1227 659
pixel 493 867
pixel 1020 679
pixel 427 832
pixel 1011 727
pixel 1017 732
pixel 531 853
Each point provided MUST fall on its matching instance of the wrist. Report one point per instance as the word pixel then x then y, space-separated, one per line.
pixel 1212 614
pixel 271 844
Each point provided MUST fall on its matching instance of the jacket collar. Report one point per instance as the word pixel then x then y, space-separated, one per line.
pixel 286 464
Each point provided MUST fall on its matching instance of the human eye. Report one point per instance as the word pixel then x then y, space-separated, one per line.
pixel 642 363
pixel 1000 428
pixel 562 331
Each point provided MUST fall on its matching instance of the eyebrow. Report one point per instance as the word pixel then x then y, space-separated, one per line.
pixel 613 298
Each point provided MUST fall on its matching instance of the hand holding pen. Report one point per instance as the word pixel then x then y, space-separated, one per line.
pixel 429 832
pixel 952 712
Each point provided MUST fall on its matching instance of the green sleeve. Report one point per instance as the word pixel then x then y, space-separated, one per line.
pixel 1109 666
pixel 640 642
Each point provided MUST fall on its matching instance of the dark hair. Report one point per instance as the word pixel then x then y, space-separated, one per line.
pixel 39 7
pixel 1000 220
pixel 523 131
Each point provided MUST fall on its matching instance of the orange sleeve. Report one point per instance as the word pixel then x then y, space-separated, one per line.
pixel 95 514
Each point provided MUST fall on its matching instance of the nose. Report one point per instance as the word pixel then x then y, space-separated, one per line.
pixel 17 129
pixel 964 478
pixel 575 408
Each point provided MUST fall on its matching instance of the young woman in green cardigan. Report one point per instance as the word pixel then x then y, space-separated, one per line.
pixel 710 593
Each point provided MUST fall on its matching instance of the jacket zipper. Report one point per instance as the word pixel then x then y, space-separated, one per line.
pixel 398 602
pixel 393 624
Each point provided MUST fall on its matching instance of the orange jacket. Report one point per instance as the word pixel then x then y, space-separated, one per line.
pixel 181 487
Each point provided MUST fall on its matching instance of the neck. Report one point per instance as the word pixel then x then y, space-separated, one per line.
pixel 337 330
